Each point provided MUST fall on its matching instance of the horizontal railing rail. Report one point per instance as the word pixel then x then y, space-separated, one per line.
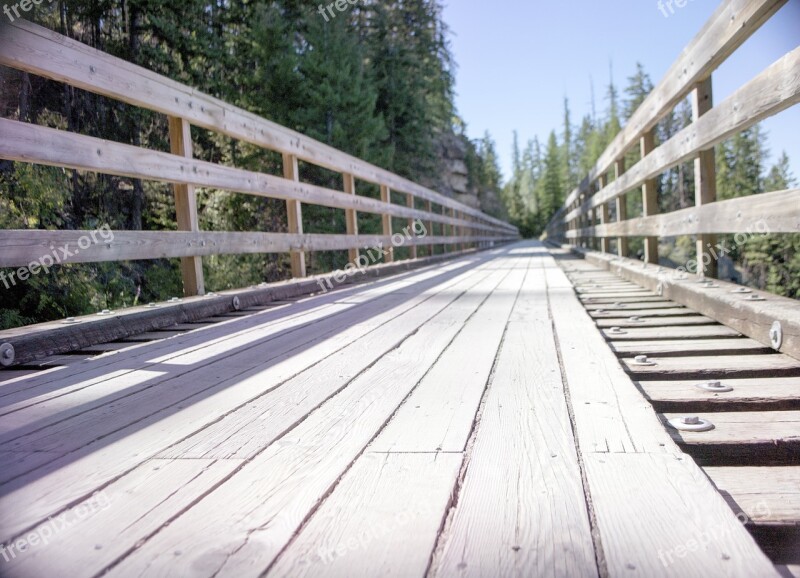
pixel 36 50
pixel 585 218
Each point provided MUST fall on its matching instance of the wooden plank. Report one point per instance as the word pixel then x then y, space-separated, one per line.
pixel 743 438
pixel 386 221
pixel 35 144
pixel 705 175
pixel 413 248
pixel 766 495
pixel 649 197
pixel 688 347
pixel 40 51
pixel 758 394
pixel 294 214
pixel 776 212
pixel 644 313
pixel 644 322
pixel 610 415
pixel 351 216
pixel 687 531
pixel 623 307
pixel 261 508
pixel 520 509
pixel 354 533
pixel 22 247
pixel 639 301
pixel 104 527
pixel 715 367
pixel 45 384
pixel 180 140
pixel 687 332
pixel 159 393
pixel 440 413
pixel 40 494
pixel 242 433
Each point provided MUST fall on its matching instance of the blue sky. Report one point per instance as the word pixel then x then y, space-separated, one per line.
pixel 517 59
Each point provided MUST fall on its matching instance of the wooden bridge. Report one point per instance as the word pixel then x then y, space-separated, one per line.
pixel 487 407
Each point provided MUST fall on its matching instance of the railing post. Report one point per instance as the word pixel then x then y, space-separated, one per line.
pixel 649 199
pixel 429 210
pixel 410 204
pixel 601 183
pixel 705 176
pixel 351 215
pixel 622 209
pixel 294 214
pixel 386 197
pixel 180 140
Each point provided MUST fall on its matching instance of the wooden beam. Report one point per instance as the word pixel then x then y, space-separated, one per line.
pixel 410 204
pixel 622 208
pixel 649 199
pixel 386 219
pixel 705 179
pixel 294 212
pixel 180 140
pixel 756 215
pixel 429 210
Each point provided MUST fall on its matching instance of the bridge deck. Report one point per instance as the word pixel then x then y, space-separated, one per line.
pixel 463 419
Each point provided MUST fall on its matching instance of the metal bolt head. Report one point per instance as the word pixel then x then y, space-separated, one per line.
pixel 690 420
pixel 635 319
pixel 776 335
pixel 237 304
pixel 715 386
pixel 7 354
pixel 641 359
pixel 616 331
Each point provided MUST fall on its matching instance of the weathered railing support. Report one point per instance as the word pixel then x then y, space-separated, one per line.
pixel 294 213
pixel 622 208
pixel 386 219
pixel 180 140
pixel 649 198
pixel 705 178
pixel 351 215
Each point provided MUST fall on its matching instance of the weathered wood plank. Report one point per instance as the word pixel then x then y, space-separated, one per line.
pixel 103 528
pixel 440 413
pixel 696 534
pixel 520 510
pixel 610 414
pixel 644 313
pixel 717 367
pixel 355 532
pixel 35 496
pixel 688 347
pixel 652 322
pixel 744 438
pixel 649 333
pixel 760 394
pixel 767 495
pixel 261 508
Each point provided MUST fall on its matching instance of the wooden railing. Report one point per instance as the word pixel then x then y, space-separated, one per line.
pixel 584 221
pixel 33 49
